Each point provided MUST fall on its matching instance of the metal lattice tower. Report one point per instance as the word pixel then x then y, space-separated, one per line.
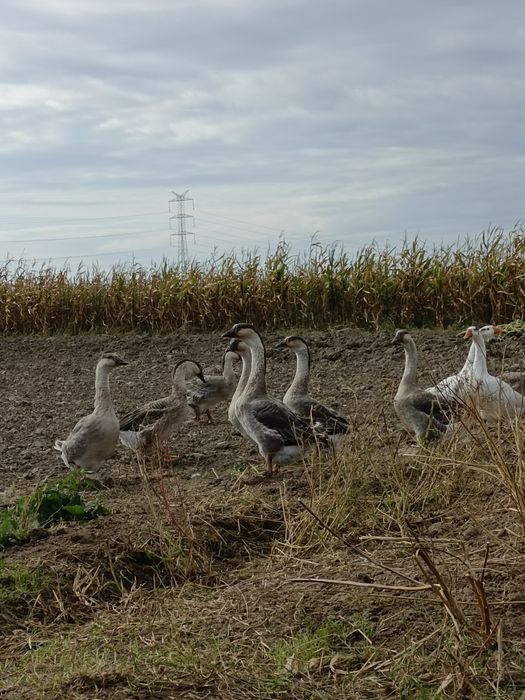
pixel 181 233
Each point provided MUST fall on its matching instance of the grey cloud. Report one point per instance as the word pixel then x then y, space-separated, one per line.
pixel 343 116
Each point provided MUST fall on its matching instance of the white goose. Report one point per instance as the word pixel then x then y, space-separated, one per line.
pixel 280 434
pixel 95 437
pixel 457 386
pixel 461 386
pixel 493 397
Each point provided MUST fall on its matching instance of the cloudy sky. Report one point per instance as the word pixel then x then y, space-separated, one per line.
pixel 355 119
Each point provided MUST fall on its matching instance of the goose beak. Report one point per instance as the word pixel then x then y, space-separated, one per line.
pixel 497 330
pixel 121 361
pixel 468 334
pixel 229 334
pixel 281 344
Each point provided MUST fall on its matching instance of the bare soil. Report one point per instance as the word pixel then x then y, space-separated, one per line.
pixel 236 586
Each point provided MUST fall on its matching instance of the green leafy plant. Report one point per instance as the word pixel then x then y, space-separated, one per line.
pixel 56 500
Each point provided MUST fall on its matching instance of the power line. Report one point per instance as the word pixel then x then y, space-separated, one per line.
pixel 90 255
pixel 81 238
pixel 66 221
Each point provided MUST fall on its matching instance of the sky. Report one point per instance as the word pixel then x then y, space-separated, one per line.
pixel 350 120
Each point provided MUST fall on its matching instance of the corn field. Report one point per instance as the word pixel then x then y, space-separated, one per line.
pixel 481 280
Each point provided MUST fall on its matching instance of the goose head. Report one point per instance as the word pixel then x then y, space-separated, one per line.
pixel 236 345
pixel 294 342
pixel 488 332
pixel 243 331
pixel 110 360
pixel 189 369
pixel 402 336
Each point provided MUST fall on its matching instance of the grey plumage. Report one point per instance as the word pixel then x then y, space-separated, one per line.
pixel 425 415
pixel 217 388
pixel 298 399
pixel 279 433
pixel 95 436
pixel 150 425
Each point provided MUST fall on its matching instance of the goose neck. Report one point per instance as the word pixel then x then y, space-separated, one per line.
pixel 227 372
pixel 178 383
pixel 257 380
pixel 102 390
pixel 302 372
pixel 479 365
pixel 246 358
pixel 409 377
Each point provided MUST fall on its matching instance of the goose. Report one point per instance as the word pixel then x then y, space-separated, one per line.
pixel 278 432
pixel 460 386
pixel 491 395
pixel 151 424
pixel 427 416
pixel 243 351
pixel 515 379
pixel 300 402
pixel 94 437
pixel 216 389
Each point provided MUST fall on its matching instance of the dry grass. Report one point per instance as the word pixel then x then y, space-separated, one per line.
pixel 481 279
pixel 386 576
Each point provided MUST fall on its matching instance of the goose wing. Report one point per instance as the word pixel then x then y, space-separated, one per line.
pixel 441 411
pixel 330 419
pixel 145 415
pixel 516 380
pixel 198 393
pixel 277 417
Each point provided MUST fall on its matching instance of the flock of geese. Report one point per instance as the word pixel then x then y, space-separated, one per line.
pixel 284 430
pixel 434 413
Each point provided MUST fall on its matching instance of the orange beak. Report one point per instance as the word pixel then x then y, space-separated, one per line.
pixel 468 334
pixel 497 330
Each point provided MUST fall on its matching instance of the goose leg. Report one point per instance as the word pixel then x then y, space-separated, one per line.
pixel 210 419
pixel 269 465
pixel 197 412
